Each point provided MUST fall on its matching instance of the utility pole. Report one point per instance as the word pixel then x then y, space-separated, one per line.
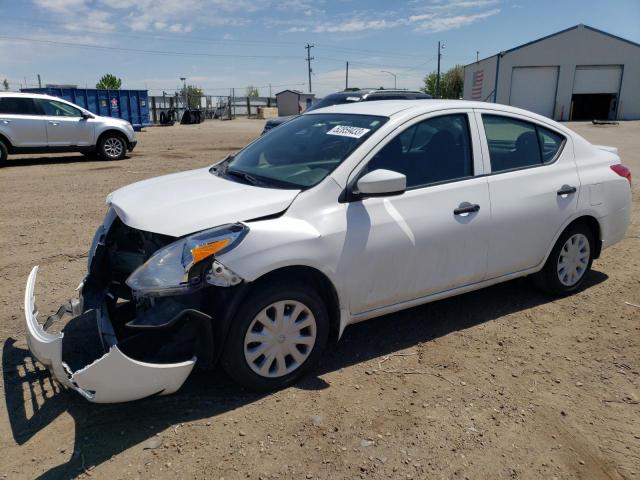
pixel 186 99
pixel 309 58
pixel 269 101
pixel 39 82
pixel 440 47
pixel 346 78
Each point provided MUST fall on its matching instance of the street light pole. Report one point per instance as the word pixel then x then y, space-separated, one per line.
pixel 395 84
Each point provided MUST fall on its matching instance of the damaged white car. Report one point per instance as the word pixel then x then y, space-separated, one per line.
pixel 340 215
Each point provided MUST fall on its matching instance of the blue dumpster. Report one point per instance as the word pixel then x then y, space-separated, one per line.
pixel 130 105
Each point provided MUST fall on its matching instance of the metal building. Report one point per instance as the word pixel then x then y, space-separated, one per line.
pixel 580 73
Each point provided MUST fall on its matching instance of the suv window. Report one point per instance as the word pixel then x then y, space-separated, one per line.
pixel 18 106
pixel 515 143
pixel 58 109
pixel 435 150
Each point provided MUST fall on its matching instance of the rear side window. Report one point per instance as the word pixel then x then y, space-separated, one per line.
pixel 18 106
pixel 515 144
pixel 550 143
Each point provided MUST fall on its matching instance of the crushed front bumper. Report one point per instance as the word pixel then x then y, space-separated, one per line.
pixel 115 376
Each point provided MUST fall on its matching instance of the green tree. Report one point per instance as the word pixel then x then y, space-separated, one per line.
pixel 430 84
pixel 252 91
pixel 451 83
pixel 5 84
pixel 109 82
pixel 193 93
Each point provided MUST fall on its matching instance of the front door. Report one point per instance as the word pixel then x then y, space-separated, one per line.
pixel 66 126
pixel 534 188
pixel 431 238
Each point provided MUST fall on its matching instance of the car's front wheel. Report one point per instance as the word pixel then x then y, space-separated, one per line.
pixel 277 336
pixel 569 263
pixel 112 147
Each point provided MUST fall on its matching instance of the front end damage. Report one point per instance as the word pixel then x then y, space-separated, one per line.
pixel 150 338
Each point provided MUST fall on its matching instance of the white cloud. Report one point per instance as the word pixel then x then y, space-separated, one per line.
pixel 60 5
pixel 432 23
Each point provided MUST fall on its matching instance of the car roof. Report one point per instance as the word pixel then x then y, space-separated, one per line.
pixel 389 108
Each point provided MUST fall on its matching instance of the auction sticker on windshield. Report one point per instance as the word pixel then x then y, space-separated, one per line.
pixel 346 131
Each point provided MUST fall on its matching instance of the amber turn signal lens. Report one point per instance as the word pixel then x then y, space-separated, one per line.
pixel 204 251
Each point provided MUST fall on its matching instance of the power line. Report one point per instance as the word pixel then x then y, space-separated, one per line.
pixel 144 51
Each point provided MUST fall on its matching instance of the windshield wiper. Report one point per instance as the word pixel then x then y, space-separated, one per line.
pixel 244 176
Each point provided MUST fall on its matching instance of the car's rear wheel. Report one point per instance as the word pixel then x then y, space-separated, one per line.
pixel 4 154
pixel 569 263
pixel 112 147
pixel 277 336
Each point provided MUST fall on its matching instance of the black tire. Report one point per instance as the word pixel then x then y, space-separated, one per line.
pixel 549 278
pixel 108 149
pixel 233 357
pixel 4 154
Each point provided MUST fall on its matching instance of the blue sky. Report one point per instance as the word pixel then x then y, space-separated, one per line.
pixel 219 44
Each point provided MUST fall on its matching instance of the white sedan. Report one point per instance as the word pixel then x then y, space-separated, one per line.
pixel 340 215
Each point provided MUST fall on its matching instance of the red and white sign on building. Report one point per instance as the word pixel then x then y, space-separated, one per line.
pixel 476 89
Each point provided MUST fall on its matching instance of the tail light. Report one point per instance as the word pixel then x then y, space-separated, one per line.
pixel 622 171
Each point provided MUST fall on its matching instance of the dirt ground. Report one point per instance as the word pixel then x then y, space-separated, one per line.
pixel 500 383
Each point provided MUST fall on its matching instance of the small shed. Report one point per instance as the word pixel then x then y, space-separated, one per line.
pixel 293 102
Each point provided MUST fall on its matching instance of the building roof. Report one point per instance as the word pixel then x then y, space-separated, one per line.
pixel 297 92
pixel 580 25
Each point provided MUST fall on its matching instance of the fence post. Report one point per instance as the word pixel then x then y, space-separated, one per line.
pixel 248 107
pixel 154 113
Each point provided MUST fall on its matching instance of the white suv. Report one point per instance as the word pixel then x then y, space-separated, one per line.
pixel 31 123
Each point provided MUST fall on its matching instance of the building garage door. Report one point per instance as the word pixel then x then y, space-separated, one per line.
pixel 595 92
pixel 534 88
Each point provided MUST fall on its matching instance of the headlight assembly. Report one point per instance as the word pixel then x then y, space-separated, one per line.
pixel 181 266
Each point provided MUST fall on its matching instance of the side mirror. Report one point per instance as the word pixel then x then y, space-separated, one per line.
pixel 381 183
pixel 86 115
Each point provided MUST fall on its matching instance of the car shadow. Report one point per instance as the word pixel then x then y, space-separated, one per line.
pixel 61 160
pixel 34 401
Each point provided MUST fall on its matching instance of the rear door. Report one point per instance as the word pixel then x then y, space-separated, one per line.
pixel 22 123
pixel 533 184
pixel 65 124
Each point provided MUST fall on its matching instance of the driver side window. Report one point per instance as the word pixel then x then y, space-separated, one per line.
pixel 433 151
pixel 58 109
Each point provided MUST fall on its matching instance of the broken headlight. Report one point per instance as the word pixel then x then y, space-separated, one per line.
pixel 177 268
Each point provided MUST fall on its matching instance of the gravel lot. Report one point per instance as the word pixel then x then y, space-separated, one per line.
pixel 500 383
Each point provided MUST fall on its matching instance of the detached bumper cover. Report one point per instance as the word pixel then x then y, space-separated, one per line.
pixel 114 377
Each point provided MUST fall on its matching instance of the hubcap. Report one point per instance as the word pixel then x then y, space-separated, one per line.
pixel 573 260
pixel 113 147
pixel 280 338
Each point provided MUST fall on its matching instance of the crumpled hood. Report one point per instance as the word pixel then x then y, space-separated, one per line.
pixel 187 202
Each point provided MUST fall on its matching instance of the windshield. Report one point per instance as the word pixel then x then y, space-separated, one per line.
pixel 301 152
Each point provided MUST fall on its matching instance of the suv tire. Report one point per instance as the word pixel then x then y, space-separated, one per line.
pixel 295 317
pixel 112 146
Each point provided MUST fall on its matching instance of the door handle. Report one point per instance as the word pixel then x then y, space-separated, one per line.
pixel 466 208
pixel 51 122
pixel 566 190
pixel 5 122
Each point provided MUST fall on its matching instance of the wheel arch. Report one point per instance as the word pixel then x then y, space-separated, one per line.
pixel 112 130
pixel 233 297
pixel 7 142
pixel 584 218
